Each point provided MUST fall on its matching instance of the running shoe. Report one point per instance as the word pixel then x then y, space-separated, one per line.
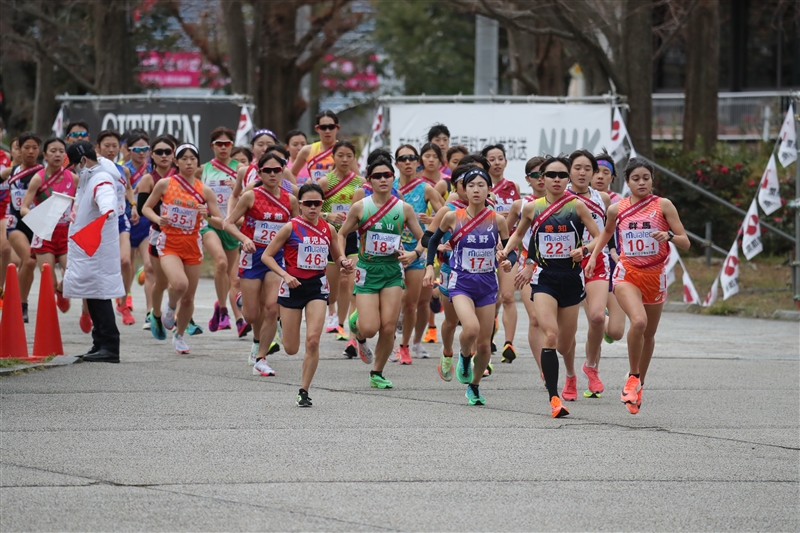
pixel 62 303
pixel 193 329
pixel 404 355
pixel 570 391
pixel 224 319
pixel 253 353
pixel 140 276
pixel 25 316
pixel 489 369
pixel 608 339
pixel 509 353
pixel 168 317
pixel 239 301
pixel 419 351
pixel 341 334
pixel 129 302
pixel 394 357
pixel 350 351
pixel 146 325
pixel 377 381
pixel 630 393
pixel 399 327
pixel 445 367
pixel 332 324
pixel 180 345
pixel 474 395
pixel 633 408
pixel 557 409
pixel 86 322
pixel 464 369
pixel 430 335
pixel 302 399
pixel 127 317
pixel 157 328
pixel 364 352
pixel 243 327
pixel 273 348
pixel 595 385
pixel 435 305
pixel 352 322
pixel 118 305
pixel 213 324
pixel 261 368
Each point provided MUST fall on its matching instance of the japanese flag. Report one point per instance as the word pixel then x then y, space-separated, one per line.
pixel 619 134
pixel 769 196
pixel 751 233
pixel 58 124
pixel 729 275
pixel 376 138
pixel 689 292
pixel 787 153
pixel 674 259
pixel 713 293
pixel 245 127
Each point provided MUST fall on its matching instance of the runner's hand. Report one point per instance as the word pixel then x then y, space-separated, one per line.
pixel 163 221
pixel 427 281
pixel 202 210
pixel 248 246
pixel 406 258
pixel 445 247
pixel 589 270
pixel 501 256
pixel 425 219
pixel 347 266
pixel 291 281
pixel 523 277
pixel 230 183
pixel 577 255
pixel 660 236
pixel 506 266
pixel 336 218
pixel 134 216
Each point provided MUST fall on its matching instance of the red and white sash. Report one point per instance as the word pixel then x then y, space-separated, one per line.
pixel 458 204
pixel 137 176
pixel 22 174
pixel 341 185
pixel 379 214
pixel 311 228
pixel 500 186
pixel 593 207
pixel 635 208
pixel 224 168
pixel 319 157
pixel 469 226
pixel 408 187
pixel 51 180
pixel 271 198
pixel 554 207
pixel 189 189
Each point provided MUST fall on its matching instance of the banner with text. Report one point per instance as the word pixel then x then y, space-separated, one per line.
pixel 526 130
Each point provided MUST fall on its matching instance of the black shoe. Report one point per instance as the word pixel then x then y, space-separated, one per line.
pixel 302 399
pixel 274 348
pixel 25 312
pixel 102 356
pixel 509 354
pixel 92 351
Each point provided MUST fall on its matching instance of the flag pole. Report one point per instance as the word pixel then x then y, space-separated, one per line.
pixel 796 262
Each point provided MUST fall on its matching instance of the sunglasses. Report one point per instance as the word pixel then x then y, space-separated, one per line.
pixel 556 175
pixel 223 144
pixel 311 203
pixel 163 151
pixel 381 175
pixel 535 175
pixel 78 134
pixel 407 158
pixel 140 149
pixel 271 170
pixel 327 127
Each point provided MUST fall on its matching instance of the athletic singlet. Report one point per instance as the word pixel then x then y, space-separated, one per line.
pixel 475 251
pixel 556 236
pixel 444 257
pixel 414 195
pixel 614 196
pixel 318 167
pixel 505 194
pixel 340 201
pixel 65 185
pixel 121 187
pixel 369 192
pixel 17 189
pixel 137 175
pixel 526 239
pixel 5 162
pixel 303 176
pixel 181 208
pixel 380 241
pixel 306 250
pixel 216 179
pixel 597 208
pixel 637 248
pixel 267 215
pixel 156 178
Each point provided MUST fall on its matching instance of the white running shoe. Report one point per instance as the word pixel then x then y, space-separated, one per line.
pixel 261 368
pixel 253 353
pixel 364 352
pixel 332 325
pixel 168 317
pixel 146 325
pixel 394 356
pixel 180 344
pixel 419 351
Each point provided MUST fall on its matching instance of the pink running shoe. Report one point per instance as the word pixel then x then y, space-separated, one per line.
pixel 224 319
pixel 570 391
pixel 630 393
pixel 404 355
pixel 213 324
pixel 595 385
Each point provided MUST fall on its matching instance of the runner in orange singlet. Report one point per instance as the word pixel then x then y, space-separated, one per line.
pixel 318 157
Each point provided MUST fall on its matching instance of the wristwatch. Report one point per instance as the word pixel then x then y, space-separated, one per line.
pixel 585 251
pixel 671 235
pixel 530 261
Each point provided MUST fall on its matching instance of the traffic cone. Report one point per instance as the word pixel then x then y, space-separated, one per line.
pixel 47 336
pixel 13 344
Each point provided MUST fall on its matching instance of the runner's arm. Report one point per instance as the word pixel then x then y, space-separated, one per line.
pixel 302 158
pixel 229 224
pixel 30 194
pixel 337 253
pixel 522 228
pixel 675 225
pixel 434 198
pixel 602 238
pixel 275 246
pixel 295 206
pixel 413 226
pixel 350 223
pixel 237 188
pixel 155 197
pixel 216 218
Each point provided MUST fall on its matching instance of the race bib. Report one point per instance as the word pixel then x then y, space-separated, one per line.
pixel 503 205
pixel 340 208
pixel 556 245
pixel 312 256
pixel 265 231
pixel 120 199
pixel 526 240
pixel 36 242
pixel 245 261
pixel 17 195
pixel 283 290
pixel 182 217
pixel 317 174
pixel 326 288
pixel 639 243
pixel 360 277
pixel 382 244
pixel 11 221
pixel 222 192
pixel 477 260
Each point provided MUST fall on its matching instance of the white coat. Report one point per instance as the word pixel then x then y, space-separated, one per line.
pixel 98 277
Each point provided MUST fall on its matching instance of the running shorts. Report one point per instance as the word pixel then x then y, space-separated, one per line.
pixel 189 248
pixel 612 265
pixel 124 224
pixel 651 283
pixel 15 224
pixel 315 288
pixel 566 286
pixel 372 278
pixel 140 232
pixel 481 287
pixel 57 245
pixel 229 242
pixel 601 268
pixel 252 267
pixel 444 280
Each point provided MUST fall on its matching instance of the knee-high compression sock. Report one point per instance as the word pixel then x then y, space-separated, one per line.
pixel 550 370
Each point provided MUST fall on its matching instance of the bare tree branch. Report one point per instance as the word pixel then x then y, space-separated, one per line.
pixel 666 42
pixel 341 23
pixel 510 18
pixel 34 45
pixel 198 38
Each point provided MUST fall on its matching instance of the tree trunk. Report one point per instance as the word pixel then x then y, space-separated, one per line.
pixel 702 77
pixel 44 99
pixel 16 97
pixel 238 48
pixel 523 73
pixel 637 65
pixel 113 59
pixel 550 66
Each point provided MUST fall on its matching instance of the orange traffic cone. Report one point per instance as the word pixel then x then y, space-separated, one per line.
pixel 13 344
pixel 47 337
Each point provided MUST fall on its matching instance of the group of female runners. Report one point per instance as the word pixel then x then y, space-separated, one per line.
pixel 293 227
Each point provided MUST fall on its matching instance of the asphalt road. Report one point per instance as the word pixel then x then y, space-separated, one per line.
pixel 197 443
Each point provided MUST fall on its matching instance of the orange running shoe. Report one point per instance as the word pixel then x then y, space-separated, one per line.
pixel 127 317
pixel 404 355
pixel 595 385
pixel 630 393
pixel 633 408
pixel 430 335
pixel 570 391
pixel 85 322
pixel 129 302
pixel 558 410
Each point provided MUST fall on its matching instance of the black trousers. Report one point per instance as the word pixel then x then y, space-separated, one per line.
pixel 104 325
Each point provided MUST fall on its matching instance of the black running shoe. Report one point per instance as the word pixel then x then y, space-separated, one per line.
pixel 302 399
pixel 274 348
pixel 25 312
pixel 509 353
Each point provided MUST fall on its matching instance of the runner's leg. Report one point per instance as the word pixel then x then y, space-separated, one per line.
pixel 389 304
pixel 615 325
pixel 534 332
pixel 233 275
pixel 186 307
pixel 595 307
pixel 213 246
pixel 315 322
pixel 506 298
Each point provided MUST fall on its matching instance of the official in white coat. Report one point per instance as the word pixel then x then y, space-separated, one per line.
pixel 93 263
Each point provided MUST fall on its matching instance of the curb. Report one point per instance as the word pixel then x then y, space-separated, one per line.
pixel 59 360
pixel 793 316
